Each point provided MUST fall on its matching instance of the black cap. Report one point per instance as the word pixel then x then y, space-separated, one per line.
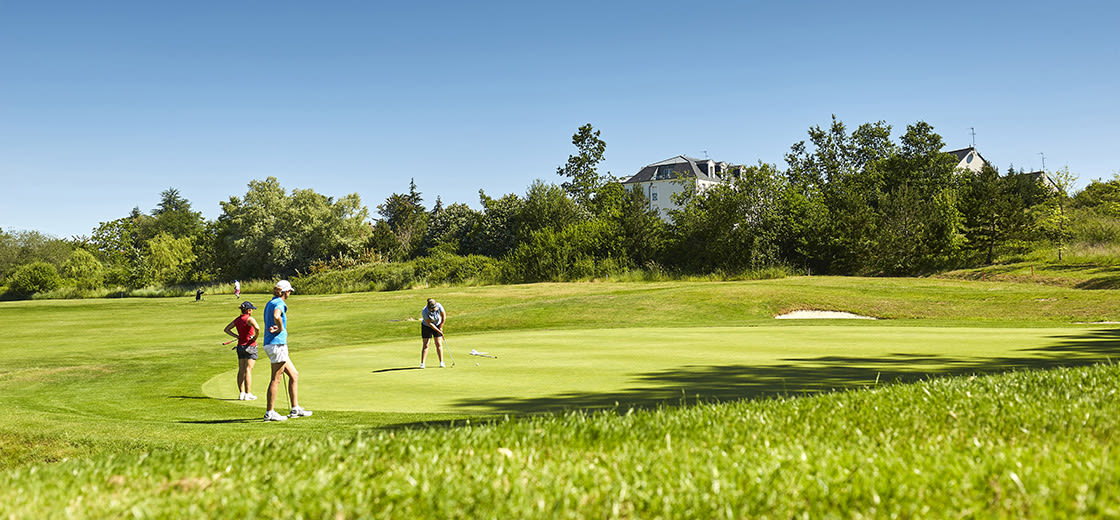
pixel 247 305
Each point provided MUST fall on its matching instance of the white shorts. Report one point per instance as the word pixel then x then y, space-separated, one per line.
pixel 277 353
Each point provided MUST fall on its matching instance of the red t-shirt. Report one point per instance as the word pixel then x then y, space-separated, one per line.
pixel 244 331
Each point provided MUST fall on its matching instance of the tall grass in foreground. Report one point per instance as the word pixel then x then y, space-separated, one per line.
pixel 1024 444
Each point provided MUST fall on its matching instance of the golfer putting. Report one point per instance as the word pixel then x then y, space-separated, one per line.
pixel 276 346
pixel 432 318
pixel 247 332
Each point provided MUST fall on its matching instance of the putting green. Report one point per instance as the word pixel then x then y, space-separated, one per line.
pixel 551 369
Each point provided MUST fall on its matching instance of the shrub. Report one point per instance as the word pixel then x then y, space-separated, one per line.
pixel 31 278
pixel 83 270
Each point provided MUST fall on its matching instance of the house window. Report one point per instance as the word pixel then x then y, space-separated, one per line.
pixel 665 172
pixel 968 158
pixel 653 195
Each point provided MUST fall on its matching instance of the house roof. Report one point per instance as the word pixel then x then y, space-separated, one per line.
pixel 688 167
pixel 963 152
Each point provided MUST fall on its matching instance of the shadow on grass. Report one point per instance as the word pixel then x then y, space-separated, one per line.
pixel 689 384
pixel 394 369
pixel 200 398
pixel 222 421
pixel 1100 283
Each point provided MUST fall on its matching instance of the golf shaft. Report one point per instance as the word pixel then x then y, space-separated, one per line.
pixel 228 342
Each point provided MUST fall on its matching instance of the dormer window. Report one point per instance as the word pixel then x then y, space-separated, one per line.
pixel 968 158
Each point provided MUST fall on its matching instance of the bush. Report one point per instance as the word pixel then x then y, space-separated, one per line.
pixel 83 270
pixel 1094 228
pixel 29 279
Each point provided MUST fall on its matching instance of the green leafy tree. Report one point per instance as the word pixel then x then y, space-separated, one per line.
pixel 1101 197
pixel 1053 221
pixel 581 168
pixel 170 259
pixel 83 270
pixel 918 224
pixel 120 244
pixel 731 226
pixel 35 277
pixel 640 231
pixel 173 216
pixel 496 233
pixel 406 218
pixel 546 206
pixel 996 211
pixel 23 247
pixel 831 199
pixel 269 232
pixel 451 226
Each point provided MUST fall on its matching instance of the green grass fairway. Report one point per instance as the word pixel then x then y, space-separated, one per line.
pixel 558 369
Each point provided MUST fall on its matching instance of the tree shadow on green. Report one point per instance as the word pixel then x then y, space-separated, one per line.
pixel 804 376
pixel 1100 283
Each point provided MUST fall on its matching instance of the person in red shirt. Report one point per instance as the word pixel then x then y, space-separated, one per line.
pixel 247 331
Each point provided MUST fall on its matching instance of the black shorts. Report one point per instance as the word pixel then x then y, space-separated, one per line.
pixel 428 332
pixel 249 352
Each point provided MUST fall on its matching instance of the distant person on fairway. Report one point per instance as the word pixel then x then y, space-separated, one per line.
pixel 247 332
pixel 433 318
pixel 237 289
pixel 198 294
pixel 276 346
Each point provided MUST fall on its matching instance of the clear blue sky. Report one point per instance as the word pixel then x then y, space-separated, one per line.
pixel 103 105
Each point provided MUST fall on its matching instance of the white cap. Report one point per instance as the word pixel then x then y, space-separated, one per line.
pixel 284 286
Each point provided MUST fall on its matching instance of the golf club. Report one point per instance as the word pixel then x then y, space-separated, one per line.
pixel 482 354
pixel 445 349
pixel 228 342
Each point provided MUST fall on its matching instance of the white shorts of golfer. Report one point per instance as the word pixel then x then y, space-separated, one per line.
pixel 277 353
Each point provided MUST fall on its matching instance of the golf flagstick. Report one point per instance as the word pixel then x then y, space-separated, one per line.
pixel 482 354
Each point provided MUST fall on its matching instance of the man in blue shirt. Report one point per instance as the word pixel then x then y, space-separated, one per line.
pixel 276 346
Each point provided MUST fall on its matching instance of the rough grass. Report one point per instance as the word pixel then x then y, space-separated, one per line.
pixel 1023 444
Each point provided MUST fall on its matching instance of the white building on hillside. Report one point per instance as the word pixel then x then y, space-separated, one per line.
pixel 661 180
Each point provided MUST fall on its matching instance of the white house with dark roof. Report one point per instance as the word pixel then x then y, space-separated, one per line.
pixel 661 180
pixel 969 159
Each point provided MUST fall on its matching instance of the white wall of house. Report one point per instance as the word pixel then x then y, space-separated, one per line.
pixel 972 162
pixel 660 193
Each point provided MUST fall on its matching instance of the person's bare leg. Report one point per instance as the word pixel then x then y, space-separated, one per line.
pixel 424 352
pixel 274 385
pixel 242 372
pixel 293 383
pixel 248 379
pixel 439 349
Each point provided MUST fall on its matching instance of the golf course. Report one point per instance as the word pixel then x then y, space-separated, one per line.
pixel 607 399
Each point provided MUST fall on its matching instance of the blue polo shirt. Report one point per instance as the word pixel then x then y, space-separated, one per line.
pixel 269 310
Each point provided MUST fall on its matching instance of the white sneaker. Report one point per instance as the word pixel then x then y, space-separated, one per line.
pixel 421 365
pixel 250 397
pixel 441 364
pixel 299 412
pixel 241 397
pixel 271 415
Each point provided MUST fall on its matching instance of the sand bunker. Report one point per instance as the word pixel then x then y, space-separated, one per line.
pixel 822 315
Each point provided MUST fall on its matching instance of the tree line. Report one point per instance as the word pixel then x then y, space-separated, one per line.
pixel 849 202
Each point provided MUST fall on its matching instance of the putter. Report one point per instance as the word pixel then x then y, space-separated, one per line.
pixel 228 342
pixel 445 349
